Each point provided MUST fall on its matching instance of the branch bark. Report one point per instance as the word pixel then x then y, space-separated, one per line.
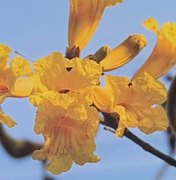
pixel 17 148
pixel 146 146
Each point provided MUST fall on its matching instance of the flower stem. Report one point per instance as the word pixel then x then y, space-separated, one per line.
pixel 147 147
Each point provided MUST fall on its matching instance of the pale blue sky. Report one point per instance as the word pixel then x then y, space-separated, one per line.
pixel 35 28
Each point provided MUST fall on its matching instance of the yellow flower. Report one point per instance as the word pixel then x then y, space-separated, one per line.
pixel 124 52
pixel 84 19
pixel 65 116
pixel 163 56
pixel 135 101
pixel 59 75
pixel 69 130
pixel 14 80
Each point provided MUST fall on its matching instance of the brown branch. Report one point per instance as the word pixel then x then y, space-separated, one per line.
pixel 17 148
pixel 147 147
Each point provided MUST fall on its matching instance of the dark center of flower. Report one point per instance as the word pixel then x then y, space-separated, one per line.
pixel 64 91
pixel 130 84
pixel 69 69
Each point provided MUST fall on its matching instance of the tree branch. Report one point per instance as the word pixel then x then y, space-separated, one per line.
pixel 17 148
pixel 147 147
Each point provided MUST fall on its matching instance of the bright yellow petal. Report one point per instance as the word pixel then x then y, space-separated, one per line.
pixel 150 90
pixel 67 139
pixel 155 121
pixel 151 24
pixel 119 88
pixel 59 165
pixel 22 87
pixel 134 101
pixel 84 19
pixel 123 53
pixel 20 67
pixel 103 99
pixel 144 90
pixel 120 110
pixel 4 55
pixel 6 120
pixel 59 74
pixel 163 57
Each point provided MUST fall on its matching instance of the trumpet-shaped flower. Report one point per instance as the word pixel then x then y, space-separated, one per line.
pixel 65 116
pixel 14 80
pixel 69 129
pixel 163 56
pixel 135 102
pixel 84 19
pixel 60 75
pixel 124 52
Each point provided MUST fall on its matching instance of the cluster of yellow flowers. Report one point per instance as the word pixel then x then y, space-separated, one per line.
pixel 67 94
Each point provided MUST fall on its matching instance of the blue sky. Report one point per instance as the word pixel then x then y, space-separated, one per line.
pixel 36 28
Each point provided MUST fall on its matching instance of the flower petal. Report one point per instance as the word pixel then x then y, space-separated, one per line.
pixel 119 88
pixel 151 24
pixel 120 110
pixel 134 102
pixel 20 67
pixel 59 165
pixel 6 120
pixel 4 55
pixel 123 53
pixel 103 99
pixel 58 73
pixel 22 87
pixel 67 140
pixel 163 57
pixel 150 90
pixel 84 19
pixel 155 121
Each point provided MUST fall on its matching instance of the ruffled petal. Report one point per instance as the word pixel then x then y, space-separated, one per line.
pixel 150 90
pixel 124 52
pixel 84 19
pixel 60 74
pixel 134 102
pixel 119 88
pixel 4 55
pixel 67 140
pixel 163 57
pixel 20 67
pixel 156 120
pixel 13 80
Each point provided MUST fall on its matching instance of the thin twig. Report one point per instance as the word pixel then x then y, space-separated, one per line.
pixel 109 129
pixel 147 147
pixel 16 52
